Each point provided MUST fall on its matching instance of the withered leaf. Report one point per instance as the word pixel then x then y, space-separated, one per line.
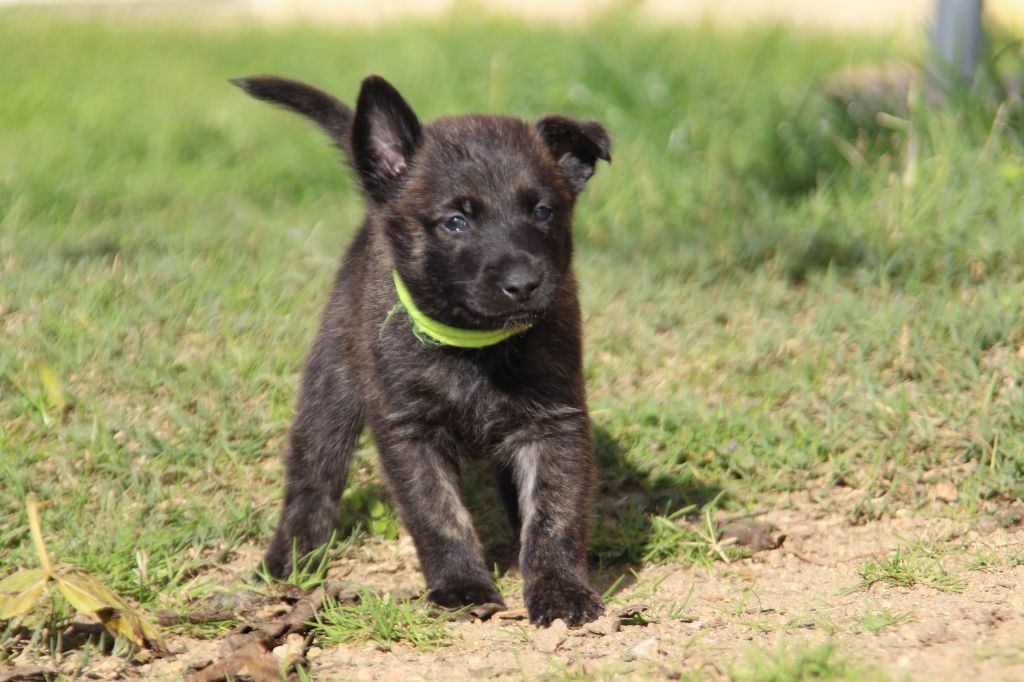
pixel 86 593
pixel 53 388
pixel 19 591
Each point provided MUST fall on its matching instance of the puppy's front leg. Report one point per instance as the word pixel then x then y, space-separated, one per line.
pixel 554 479
pixel 425 485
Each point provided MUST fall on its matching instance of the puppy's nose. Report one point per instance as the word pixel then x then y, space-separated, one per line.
pixel 520 282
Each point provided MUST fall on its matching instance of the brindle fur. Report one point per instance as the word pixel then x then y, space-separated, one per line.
pixel 521 402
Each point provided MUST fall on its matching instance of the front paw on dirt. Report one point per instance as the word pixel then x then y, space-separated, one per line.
pixel 455 595
pixel 574 603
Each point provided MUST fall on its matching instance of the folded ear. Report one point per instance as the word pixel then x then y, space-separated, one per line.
pixel 332 115
pixel 385 135
pixel 576 146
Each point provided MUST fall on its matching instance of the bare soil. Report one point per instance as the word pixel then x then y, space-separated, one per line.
pixel 708 620
pixel 669 621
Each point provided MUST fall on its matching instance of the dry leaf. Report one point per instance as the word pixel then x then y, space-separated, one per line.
pixel 54 390
pixel 18 592
pixel 86 593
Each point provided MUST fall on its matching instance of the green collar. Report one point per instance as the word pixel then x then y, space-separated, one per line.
pixel 430 330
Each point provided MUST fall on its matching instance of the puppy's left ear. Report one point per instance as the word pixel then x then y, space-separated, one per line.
pixel 385 136
pixel 576 146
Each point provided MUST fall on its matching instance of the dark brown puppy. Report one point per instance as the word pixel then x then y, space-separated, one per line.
pixel 474 213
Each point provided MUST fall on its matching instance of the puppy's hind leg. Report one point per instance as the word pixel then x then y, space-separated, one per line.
pixel 327 426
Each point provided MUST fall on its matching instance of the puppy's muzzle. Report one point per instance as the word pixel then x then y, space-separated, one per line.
pixel 520 281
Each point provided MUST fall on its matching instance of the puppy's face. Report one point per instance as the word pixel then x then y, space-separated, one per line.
pixel 481 226
pixel 478 209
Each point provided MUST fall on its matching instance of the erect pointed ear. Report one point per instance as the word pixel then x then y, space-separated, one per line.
pixel 385 135
pixel 332 115
pixel 576 146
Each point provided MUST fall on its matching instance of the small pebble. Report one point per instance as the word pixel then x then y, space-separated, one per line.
pixel 928 631
pixel 647 650
pixel 987 525
pixel 291 649
pixel 547 640
pixel 943 491
pixel 605 625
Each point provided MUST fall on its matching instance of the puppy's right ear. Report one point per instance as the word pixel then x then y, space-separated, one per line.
pixel 333 116
pixel 576 146
pixel 385 135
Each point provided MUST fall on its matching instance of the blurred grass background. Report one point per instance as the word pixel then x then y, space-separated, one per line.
pixel 777 297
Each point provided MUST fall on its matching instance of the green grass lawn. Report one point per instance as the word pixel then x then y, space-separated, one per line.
pixel 774 299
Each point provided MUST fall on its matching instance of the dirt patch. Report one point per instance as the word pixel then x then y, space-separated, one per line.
pixel 700 619
pixel 668 621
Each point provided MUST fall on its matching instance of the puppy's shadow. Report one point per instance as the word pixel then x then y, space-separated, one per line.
pixel 628 498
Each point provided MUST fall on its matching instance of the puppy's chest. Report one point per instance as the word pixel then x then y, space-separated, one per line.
pixel 461 400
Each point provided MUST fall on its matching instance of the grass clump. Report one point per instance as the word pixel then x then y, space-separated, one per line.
pixel 907 569
pixel 382 619
pixel 309 572
pixel 876 621
pixel 820 663
pixel 673 539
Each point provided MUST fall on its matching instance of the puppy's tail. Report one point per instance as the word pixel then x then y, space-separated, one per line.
pixel 332 115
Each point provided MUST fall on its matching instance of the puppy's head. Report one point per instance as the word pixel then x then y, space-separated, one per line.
pixel 477 209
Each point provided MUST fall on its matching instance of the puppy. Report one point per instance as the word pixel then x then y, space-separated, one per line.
pixel 452 331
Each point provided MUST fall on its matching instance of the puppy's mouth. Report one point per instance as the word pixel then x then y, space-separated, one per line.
pixel 479 320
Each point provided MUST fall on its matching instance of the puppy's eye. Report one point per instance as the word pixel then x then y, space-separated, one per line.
pixel 542 213
pixel 455 223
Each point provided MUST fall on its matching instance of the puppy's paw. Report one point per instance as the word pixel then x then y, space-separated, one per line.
pixel 572 601
pixel 454 594
pixel 277 564
pixel 288 553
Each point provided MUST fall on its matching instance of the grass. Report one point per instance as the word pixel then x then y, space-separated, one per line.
pixel 907 569
pixel 876 621
pixel 672 539
pixel 802 663
pixel 987 558
pixel 774 300
pixel 642 536
pixel 383 620
pixel 309 572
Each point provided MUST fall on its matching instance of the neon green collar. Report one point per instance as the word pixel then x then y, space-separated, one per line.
pixel 430 330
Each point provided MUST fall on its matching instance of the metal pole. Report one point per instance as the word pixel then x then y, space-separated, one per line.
pixel 956 41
